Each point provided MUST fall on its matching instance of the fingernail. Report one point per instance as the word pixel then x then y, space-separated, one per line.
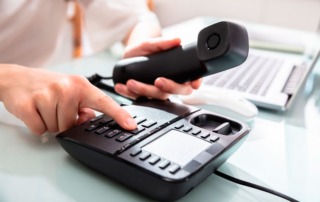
pixel 119 88
pixel 160 83
pixel 131 84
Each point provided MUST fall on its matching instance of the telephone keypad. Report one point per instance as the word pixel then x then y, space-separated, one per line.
pixel 96 118
pixel 109 128
pixel 105 120
pixel 112 133
pixel 137 130
pixel 102 130
pixel 92 127
pixel 113 124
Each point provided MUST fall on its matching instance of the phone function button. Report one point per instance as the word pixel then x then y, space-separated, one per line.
pixel 154 160
pixel 144 155
pixel 174 168
pixel 187 129
pixel 135 152
pixel 178 126
pixel 163 164
pixel 214 138
pixel 196 131
pixel 149 123
pixel 205 135
pixel 137 130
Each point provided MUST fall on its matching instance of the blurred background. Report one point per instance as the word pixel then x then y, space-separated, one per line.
pixel 296 14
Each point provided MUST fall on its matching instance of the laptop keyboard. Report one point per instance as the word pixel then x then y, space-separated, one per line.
pixel 253 77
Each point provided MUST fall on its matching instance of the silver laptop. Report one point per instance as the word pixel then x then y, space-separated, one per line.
pixel 276 69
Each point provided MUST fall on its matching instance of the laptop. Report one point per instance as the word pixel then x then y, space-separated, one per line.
pixel 278 65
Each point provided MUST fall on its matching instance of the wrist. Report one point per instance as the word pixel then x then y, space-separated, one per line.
pixel 8 75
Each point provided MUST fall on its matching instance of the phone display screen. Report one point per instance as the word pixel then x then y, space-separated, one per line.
pixel 177 147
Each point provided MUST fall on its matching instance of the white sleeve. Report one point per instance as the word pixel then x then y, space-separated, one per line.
pixel 109 21
pixel 29 30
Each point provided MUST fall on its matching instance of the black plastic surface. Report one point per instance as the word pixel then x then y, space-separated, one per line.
pixel 130 161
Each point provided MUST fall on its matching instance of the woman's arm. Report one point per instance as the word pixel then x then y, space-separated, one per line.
pixel 53 102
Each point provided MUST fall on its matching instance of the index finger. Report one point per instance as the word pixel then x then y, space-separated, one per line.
pixel 96 99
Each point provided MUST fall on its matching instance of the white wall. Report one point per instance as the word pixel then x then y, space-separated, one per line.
pixel 298 14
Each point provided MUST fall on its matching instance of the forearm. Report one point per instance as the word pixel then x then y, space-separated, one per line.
pixel 52 101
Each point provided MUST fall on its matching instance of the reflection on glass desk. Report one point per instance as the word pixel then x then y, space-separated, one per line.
pixel 282 153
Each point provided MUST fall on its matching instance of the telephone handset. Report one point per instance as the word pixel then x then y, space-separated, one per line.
pixel 174 148
pixel 219 47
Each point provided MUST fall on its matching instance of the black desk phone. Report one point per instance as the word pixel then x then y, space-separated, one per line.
pixel 175 146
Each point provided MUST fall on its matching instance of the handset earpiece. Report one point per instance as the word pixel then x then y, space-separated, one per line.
pixel 219 47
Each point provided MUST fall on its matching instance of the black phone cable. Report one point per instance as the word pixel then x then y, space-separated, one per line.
pixel 96 79
pixel 255 186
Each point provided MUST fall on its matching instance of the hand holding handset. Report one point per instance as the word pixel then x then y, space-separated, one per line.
pixel 219 47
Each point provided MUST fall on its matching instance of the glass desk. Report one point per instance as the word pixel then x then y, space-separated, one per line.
pixel 282 152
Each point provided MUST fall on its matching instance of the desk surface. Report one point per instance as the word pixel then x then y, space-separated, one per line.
pixel 282 153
